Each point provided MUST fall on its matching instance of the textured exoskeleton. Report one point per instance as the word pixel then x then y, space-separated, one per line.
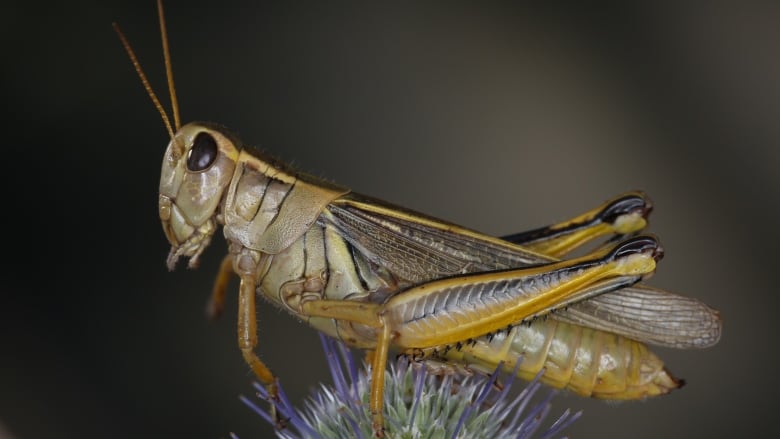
pixel 380 277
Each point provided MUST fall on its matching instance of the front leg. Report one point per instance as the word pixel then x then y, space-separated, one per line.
pixel 247 335
pixel 217 300
pixel 247 330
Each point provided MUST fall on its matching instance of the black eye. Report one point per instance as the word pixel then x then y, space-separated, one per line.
pixel 202 154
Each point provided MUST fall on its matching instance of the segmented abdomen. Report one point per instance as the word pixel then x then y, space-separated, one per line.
pixel 586 361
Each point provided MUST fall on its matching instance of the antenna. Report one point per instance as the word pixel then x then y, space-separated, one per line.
pixel 168 73
pixel 168 68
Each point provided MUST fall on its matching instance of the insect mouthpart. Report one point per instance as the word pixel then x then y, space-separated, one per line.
pixel 185 239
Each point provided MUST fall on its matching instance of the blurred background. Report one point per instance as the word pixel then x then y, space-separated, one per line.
pixel 499 117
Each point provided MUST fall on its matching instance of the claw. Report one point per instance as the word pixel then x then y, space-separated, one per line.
pixel 280 422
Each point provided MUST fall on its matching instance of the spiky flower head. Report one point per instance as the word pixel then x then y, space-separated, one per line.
pixel 418 404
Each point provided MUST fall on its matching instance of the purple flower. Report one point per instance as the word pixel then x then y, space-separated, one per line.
pixel 417 404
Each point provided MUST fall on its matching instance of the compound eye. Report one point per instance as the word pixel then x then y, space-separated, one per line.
pixel 202 154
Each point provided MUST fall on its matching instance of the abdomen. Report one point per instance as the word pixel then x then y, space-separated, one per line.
pixel 585 361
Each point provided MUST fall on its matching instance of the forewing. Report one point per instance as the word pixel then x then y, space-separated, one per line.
pixel 419 249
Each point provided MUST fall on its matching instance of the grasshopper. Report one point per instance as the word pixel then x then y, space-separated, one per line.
pixel 383 278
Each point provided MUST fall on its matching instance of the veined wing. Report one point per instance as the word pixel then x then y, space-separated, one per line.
pixel 376 228
pixel 419 248
pixel 649 315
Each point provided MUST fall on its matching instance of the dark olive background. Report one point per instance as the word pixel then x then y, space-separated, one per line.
pixel 500 118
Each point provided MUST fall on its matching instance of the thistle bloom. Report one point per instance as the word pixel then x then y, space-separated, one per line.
pixel 417 404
